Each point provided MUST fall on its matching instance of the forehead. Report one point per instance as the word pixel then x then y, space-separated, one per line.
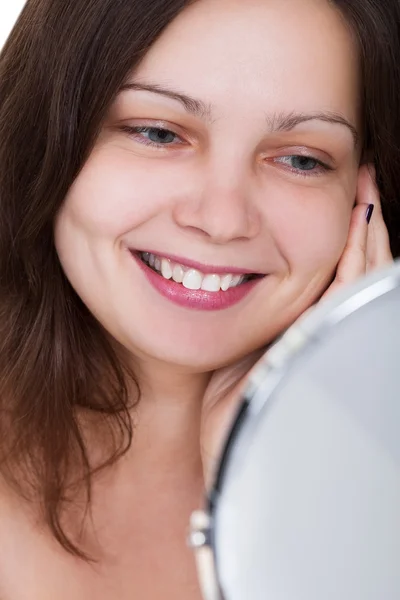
pixel 272 55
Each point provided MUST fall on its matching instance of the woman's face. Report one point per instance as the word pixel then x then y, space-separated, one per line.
pixel 256 174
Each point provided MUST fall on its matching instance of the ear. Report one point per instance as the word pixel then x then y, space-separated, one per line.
pixel 378 243
pixel 366 186
pixel 372 171
pixel 367 191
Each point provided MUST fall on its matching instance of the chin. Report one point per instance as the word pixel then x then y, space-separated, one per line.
pixel 196 358
pixel 197 362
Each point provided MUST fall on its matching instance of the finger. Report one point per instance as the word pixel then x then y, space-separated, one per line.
pixel 378 243
pixel 353 262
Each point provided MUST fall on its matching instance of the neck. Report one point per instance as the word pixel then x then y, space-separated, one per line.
pixel 167 417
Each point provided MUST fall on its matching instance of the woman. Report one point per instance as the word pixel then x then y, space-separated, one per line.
pixel 179 181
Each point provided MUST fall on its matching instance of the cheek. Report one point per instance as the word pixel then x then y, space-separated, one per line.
pixel 115 193
pixel 311 230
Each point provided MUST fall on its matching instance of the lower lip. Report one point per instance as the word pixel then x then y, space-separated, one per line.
pixel 195 299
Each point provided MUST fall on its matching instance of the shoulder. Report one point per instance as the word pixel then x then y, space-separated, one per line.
pixel 19 543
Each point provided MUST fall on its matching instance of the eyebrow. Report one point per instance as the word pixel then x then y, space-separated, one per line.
pixel 198 108
pixel 287 122
pixel 277 122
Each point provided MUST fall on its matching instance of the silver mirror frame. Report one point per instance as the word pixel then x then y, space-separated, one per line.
pixel 313 326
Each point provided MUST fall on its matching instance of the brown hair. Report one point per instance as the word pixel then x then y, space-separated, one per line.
pixel 59 71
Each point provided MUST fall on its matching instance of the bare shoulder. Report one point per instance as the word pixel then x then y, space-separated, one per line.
pixel 16 535
pixel 26 559
pixel 33 565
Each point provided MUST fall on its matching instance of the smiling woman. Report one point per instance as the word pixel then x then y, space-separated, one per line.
pixel 174 193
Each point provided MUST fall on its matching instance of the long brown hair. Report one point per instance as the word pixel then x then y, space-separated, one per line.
pixel 60 69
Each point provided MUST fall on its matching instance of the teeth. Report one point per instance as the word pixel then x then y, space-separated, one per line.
pixel 166 270
pixel 236 279
pixel 211 283
pixel 226 281
pixel 192 279
pixel 178 273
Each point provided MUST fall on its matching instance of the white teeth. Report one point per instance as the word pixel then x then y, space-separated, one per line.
pixel 166 269
pixel 211 283
pixel 226 281
pixel 192 280
pixel 236 279
pixel 178 273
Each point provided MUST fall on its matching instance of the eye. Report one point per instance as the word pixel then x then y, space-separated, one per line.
pixel 304 165
pixel 153 136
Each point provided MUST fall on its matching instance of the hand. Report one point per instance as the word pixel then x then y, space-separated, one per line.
pixel 367 248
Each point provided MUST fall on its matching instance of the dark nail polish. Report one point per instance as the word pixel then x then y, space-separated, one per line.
pixel 370 210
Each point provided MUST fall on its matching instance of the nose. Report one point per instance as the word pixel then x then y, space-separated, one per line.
pixel 222 209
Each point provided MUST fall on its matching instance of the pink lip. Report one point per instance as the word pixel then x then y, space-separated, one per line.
pixel 195 299
pixel 192 264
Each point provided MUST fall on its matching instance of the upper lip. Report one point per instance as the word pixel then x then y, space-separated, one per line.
pixel 205 268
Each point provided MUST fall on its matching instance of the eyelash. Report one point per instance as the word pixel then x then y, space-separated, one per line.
pixel 320 168
pixel 136 131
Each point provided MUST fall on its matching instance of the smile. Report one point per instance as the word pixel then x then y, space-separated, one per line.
pixel 193 279
pixel 192 285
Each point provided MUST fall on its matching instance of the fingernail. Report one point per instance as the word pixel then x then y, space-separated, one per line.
pixel 369 212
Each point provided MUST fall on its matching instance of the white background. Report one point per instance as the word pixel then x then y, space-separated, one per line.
pixel 9 11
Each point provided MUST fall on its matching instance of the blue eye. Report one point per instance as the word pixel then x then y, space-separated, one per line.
pixel 153 136
pixel 157 135
pixel 303 164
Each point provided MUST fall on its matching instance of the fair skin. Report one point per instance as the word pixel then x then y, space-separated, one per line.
pixel 226 189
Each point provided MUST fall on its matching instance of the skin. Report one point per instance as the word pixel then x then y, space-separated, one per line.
pixel 221 196
pixel 225 192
